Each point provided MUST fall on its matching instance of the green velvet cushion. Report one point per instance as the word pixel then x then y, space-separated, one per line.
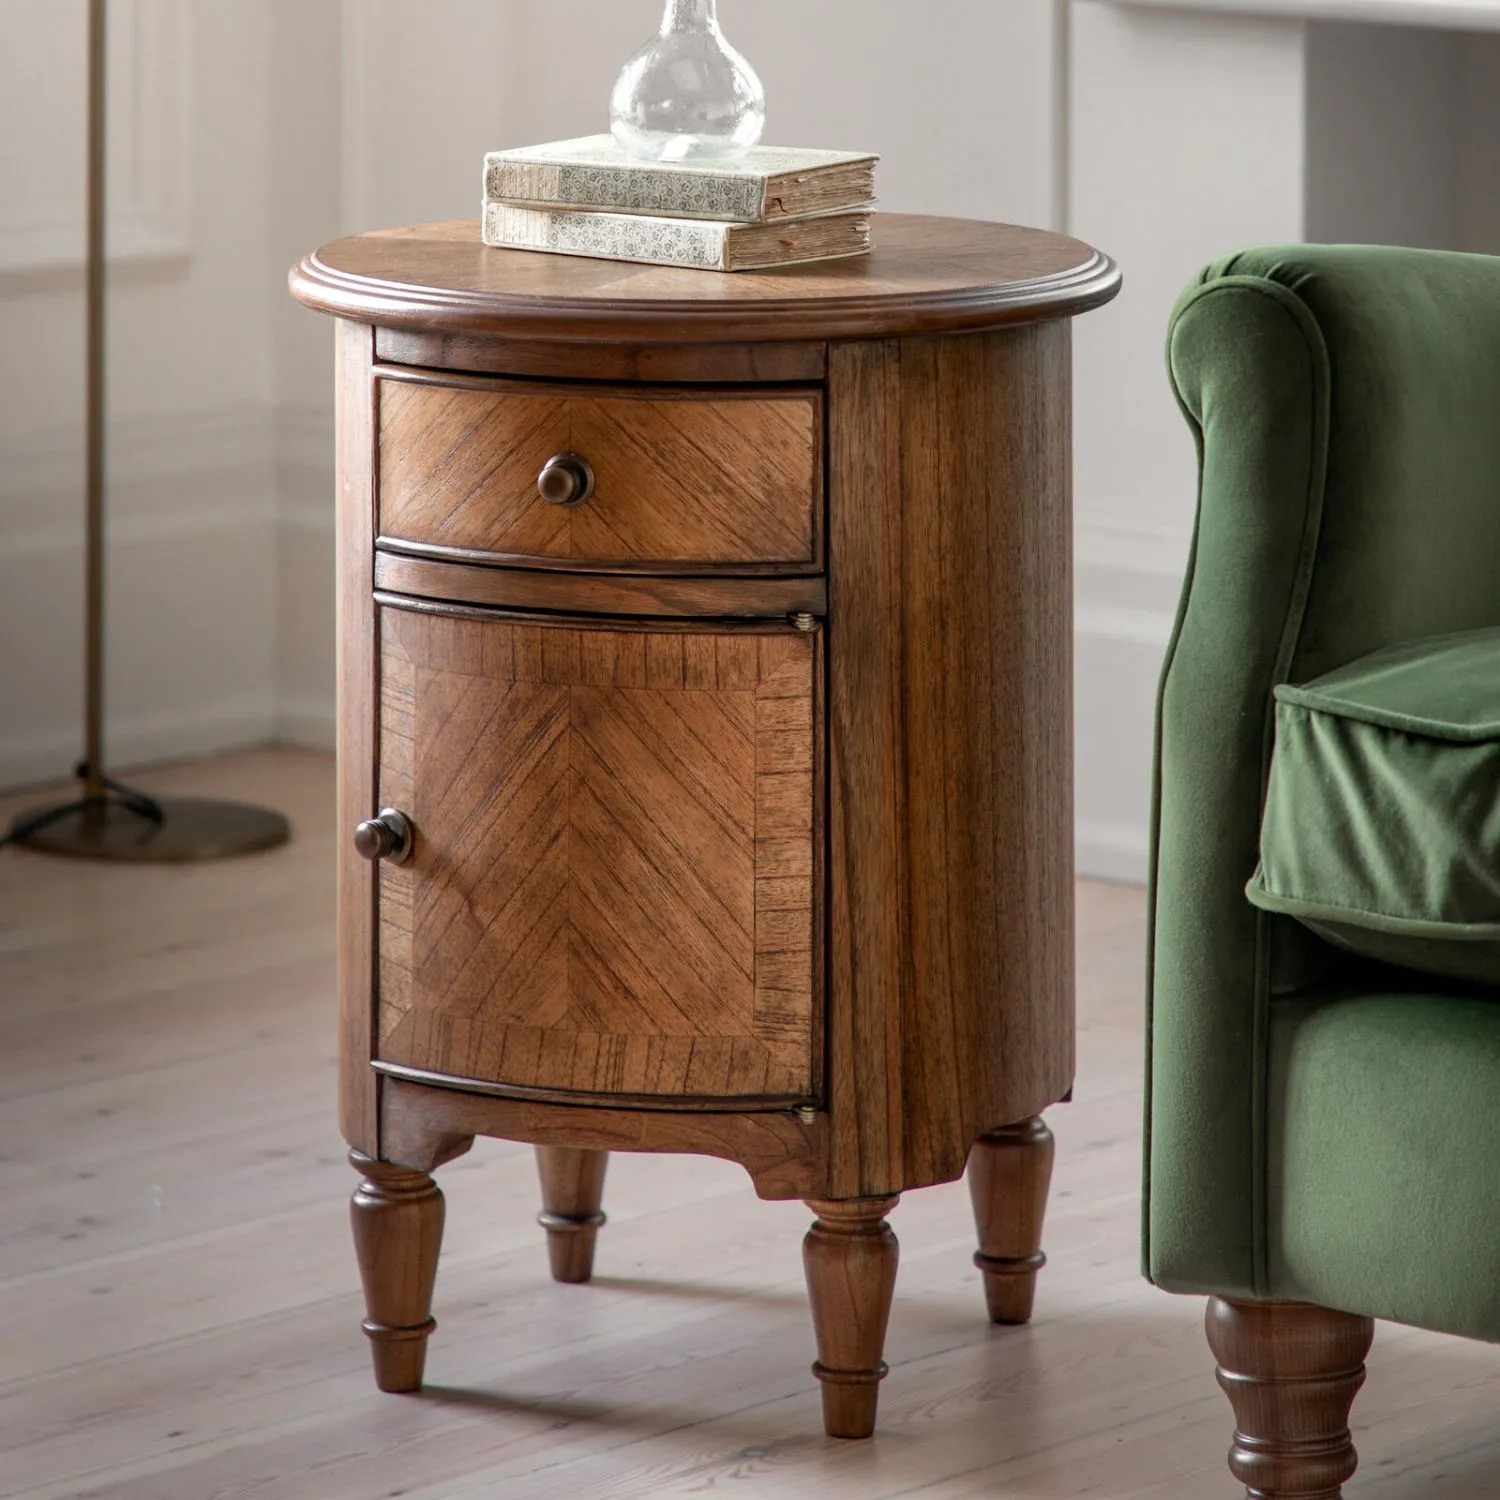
pixel 1382 823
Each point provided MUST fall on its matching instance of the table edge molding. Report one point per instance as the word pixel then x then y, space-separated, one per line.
pixel 387 304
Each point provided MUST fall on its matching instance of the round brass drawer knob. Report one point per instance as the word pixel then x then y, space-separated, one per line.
pixel 387 837
pixel 566 479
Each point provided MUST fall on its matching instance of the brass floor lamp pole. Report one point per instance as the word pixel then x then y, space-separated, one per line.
pixel 109 821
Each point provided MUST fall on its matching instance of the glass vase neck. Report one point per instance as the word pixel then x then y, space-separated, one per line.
pixel 690 15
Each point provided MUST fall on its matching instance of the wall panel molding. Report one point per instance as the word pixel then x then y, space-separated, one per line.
pixel 304 439
pixel 1460 15
pixel 237 494
pixel 1128 580
pixel 150 113
pixel 191 473
pixel 191 583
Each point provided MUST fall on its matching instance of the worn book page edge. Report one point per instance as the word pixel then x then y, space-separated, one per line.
pixel 499 237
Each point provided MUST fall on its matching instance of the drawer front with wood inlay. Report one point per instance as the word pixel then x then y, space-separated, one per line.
pixel 613 870
pixel 568 477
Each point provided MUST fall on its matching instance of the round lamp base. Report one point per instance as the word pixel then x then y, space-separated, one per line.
pixel 190 829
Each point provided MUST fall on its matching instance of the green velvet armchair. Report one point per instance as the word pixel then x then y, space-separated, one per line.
pixel 1323 1125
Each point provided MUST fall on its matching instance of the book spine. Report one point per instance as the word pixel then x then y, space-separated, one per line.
pixel 659 242
pixel 736 197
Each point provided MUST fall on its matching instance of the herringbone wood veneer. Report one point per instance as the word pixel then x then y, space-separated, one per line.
pixel 612 889
pixel 687 478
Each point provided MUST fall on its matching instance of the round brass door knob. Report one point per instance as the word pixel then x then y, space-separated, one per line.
pixel 566 479
pixel 387 837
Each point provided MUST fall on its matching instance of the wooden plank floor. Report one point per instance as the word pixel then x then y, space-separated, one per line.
pixel 179 1310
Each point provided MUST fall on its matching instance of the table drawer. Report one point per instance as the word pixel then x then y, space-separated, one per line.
pixel 682 479
pixel 613 884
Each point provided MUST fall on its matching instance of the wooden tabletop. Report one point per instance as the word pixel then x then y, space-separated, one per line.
pixel 926 275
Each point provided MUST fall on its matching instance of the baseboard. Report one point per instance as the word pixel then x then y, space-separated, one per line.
pixel 48 758
pixel 1116 852
pixel 133 741
pixel 307 723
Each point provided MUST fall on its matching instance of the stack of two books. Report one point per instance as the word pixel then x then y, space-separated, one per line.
pixel 772 207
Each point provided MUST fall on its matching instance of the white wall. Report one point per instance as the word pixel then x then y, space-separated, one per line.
pixel 425 85
pixel 1383 106
pixel 964 129
pixel 305 208
pixel 1478 145
pixel 224 151
pixel 1187 142
pixel 1197 130
pixel 191 560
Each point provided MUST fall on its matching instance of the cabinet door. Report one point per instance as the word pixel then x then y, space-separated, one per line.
pixel 613 888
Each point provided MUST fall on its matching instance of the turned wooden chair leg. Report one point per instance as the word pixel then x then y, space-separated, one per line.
pixel 572 1190
pixel 850 1258
pixel 1010 1171
pixel 398 1231
pixel 1291 1372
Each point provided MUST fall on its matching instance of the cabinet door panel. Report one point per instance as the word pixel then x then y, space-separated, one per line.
pixel 612 889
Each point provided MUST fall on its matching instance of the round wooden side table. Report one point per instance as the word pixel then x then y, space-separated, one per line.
pixel 705 740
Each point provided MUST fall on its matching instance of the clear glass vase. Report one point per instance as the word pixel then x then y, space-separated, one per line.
pixel 687 95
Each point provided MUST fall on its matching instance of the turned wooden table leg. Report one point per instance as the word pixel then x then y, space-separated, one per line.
pixel 572 1190
pixel 1291 1372
pixel 1010 1171
pixel 850 1258
pixel 398 1231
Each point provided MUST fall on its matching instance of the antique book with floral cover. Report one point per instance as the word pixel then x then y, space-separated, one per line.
pixel 769 182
